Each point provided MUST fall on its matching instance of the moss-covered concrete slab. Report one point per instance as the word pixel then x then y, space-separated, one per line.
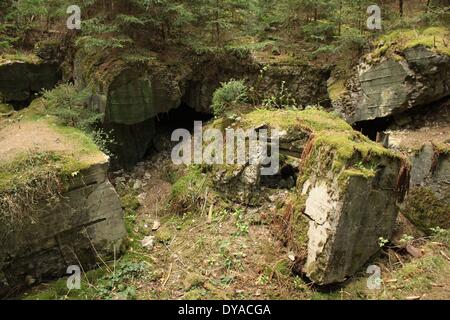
pixel 57 207
pixel 352 187
pixel 408 69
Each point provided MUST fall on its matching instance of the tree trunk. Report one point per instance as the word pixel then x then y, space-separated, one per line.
pixel 400 7
pixel 340 18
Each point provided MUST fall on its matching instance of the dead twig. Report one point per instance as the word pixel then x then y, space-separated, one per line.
pixel 445 256
pixel 168 275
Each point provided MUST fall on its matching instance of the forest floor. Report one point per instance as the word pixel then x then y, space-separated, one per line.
pixel 232 254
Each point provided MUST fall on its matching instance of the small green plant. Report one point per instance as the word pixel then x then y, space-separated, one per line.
pixel 231 92
pixel 241 226
pixel 438 231
pixel 405 239
pixel 281 99
pixel 117 282
pixel 382 242
pixel 263 279
pixel 299 284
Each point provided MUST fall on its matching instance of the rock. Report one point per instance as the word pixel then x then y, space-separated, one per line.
pixel 156 225
pixel 29 280
pixel 428 202
pixel 350 203
pixel 344 229
pixel 137 184
pixel 394 85
pixel 86 225
pixel 131 94
pixel 141 198
pixel 422 163
pixel 148 242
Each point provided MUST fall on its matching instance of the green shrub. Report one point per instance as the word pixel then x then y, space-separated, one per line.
pixel 319 31
pixel 231 92
pixel 352 39
pixel 68 105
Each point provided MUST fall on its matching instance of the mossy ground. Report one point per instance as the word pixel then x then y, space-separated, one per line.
pixel 19 57
pixel 37 160
pixel 232 252
pixel 5 108
pixel 236 255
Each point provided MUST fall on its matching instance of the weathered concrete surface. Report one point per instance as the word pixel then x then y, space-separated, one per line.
pixel 392 86
pixel 131 94
pixel 306 83
pixel 353 188
pixel 85 225
pixel 19 80
pixel 347 221
pixel 428 202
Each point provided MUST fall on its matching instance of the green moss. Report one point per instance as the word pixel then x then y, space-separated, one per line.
pixel 337 89
pixel 163 235
pixel 5 108
pixel 193 280
pixel 442 148
pixel 57 290
pixel 43 175
pixel 27 167
pixel 84 142
pixel 195 294
pixel 435 38
pixel 19 57
pixel 425 210
pixel 188 189
pixel 315 119
pixel 335 145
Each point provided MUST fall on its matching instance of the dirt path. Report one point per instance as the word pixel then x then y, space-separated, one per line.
pixel 30 137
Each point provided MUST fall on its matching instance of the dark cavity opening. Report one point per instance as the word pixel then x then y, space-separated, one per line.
pixel 412 118
pixel 22 104
pixel 371 128
pixel 182 117
pixel 285 179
